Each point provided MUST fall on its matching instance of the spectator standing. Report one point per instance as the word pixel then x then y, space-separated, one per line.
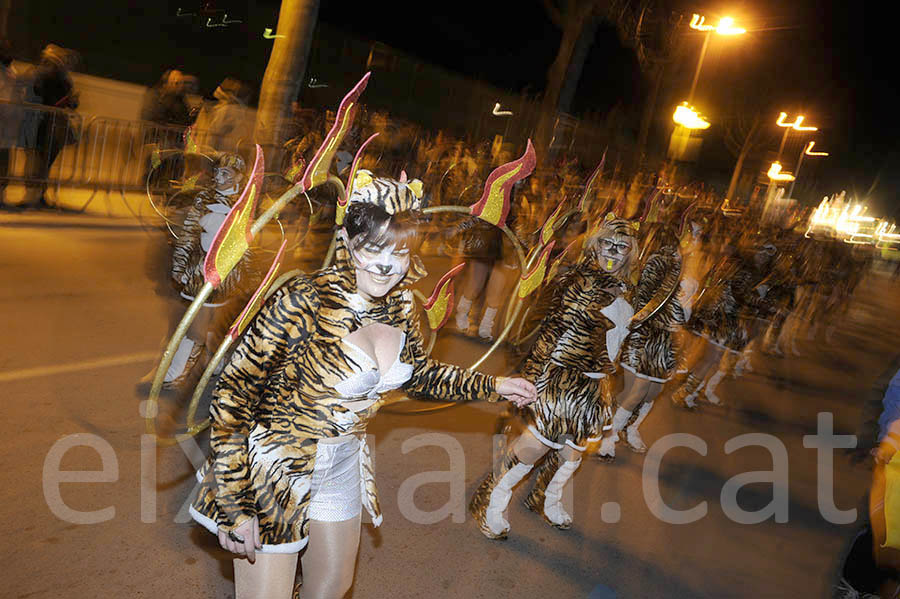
pixel 228 123
pixel 167 106
pixel 10 115
pixel 52 87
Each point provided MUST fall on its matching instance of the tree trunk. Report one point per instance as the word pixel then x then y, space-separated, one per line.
pixel 748 142
pixel 576 64
pixel 555 78
pixel 649 113
pixel 284 73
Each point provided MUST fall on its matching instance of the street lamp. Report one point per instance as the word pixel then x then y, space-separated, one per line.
pixel 775 173
pixel 689 118
pixel 725 27
pixel 807 151
pixel 797 125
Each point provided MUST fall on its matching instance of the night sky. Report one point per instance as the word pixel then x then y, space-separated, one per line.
pixel 834 61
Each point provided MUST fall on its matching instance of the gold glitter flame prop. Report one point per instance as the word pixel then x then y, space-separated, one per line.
pixel 439 305
pixel 233 238
pixel 237 328
pixel 344 199
pixel 317 171
pixel 533 279
pixel 494 204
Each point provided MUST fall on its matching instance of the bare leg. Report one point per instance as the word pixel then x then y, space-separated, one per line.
pixel 330 559
pixel 272 576
pixel 476 274
pixel 496 288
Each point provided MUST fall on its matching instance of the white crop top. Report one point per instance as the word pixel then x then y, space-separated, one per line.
pixel 370 384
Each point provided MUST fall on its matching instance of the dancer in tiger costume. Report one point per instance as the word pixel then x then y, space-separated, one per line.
pixel 289 468
pixel 197 225
pixel 648 356
pixel 722 321
pixel 575 353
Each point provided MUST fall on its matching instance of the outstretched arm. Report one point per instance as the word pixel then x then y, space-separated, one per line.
pixel 451 383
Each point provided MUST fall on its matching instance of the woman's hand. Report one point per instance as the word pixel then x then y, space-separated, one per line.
pixel 243 540
pixel 517 390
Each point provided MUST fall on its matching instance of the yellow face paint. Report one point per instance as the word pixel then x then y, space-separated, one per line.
pixel 609 264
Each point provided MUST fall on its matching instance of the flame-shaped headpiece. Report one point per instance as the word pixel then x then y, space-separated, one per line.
pixel 258 298
pixel 589 185
pixel 493 206
pixel 317 170
pixel 233 237
pixel 533 279
pixel 440 304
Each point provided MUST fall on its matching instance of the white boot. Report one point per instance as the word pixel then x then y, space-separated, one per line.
pixel 714 381
pixel 462 313
pixel 691 400
pixel 553 509
pixel 608 446
pixel 494 515
pixel 179 360
pixel 743 364
pixel 486 328
pixel 632 435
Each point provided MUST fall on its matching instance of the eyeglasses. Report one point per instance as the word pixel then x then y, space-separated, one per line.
pixel 620 247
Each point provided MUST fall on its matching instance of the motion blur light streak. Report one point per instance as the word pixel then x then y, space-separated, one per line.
pixel 775 173
pixel 725 27
pixel 809 151
pixel 689 118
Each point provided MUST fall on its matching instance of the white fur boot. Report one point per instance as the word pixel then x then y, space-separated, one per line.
pixel 714 381
pixel 486 328
pixel 553 509
pixel 500 496
pixel 462 313
pixel 632 434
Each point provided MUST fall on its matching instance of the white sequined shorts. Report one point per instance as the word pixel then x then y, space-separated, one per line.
pixel 336 488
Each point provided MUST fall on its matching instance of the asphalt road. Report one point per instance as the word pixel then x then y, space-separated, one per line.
pixel 82 321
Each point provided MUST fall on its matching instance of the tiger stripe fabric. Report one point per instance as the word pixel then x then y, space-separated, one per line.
pixel 188 255
pixel 276 399
pixel 572 341
pixel 649 350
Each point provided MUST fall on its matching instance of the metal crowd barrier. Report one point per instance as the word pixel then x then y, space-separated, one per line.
pixel 54 148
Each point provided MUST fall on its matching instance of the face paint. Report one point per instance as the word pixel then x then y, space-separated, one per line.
pixel 613 252
pixel 378 269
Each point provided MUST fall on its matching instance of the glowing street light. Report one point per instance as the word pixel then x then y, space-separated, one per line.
pixel 689 118
pixel 775 173
pixel 797 125
pixel 725 27
pixel 809 151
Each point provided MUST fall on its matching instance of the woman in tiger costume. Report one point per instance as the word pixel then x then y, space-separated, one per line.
pixel 720 326
pixel 576 351
pixel 649 354
pixel 197 225
pixel 289 468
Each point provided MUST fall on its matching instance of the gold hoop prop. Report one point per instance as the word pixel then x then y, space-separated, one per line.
pixel 233 239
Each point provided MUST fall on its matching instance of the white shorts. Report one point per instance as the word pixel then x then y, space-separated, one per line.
pixel 336 489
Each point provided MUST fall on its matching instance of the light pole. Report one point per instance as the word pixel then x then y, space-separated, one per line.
pixel 797 125
pixel 725 27
pixel 807 151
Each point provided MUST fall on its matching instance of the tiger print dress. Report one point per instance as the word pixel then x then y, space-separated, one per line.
pixel 276 400
pixel 720 312
pixel 585 324
pixel 649 352
pixel 201 222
